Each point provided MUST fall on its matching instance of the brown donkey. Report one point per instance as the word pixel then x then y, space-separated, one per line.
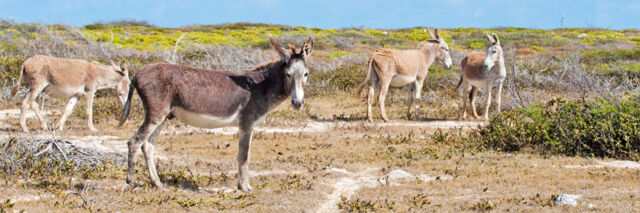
pixel 212 99
pixel 398 68
pixel 68 78
pixel 482 70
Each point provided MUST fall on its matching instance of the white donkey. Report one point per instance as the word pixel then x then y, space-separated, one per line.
pixel 482 70
pixel 68 78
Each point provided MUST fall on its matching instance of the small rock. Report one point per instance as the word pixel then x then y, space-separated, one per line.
pixel 568 199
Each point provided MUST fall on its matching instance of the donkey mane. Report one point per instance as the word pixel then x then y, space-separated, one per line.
pixel 266 66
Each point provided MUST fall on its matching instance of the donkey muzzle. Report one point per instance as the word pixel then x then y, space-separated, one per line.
pixel 297 104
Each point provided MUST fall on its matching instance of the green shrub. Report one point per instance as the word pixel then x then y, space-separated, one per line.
pixel 599 128
pixel 337 54
pixel 341 79
pixel 608 56
pixel 537 48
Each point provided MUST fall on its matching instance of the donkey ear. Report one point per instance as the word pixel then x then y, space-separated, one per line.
pixel 307 47
pixel 113 64
pixel 489 38
pixel 495 39
pixel 431 34
pixel 284 54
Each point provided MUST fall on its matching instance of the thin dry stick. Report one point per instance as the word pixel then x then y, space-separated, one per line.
pixel 175 49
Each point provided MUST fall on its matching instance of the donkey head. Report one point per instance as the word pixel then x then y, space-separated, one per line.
pixel 122 85
pixel 296 72
pixel 494 52
pixel 442 52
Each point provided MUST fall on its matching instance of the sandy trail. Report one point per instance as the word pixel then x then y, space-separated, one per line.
pixel 350 182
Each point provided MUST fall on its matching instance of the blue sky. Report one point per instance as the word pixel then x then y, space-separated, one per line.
pixel 546 14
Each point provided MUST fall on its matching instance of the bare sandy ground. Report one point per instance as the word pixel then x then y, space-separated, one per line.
pixel 353 177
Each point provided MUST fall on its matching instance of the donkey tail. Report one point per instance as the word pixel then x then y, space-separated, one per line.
pixel 127 106
pixel 367 77
pixel 18 83
pixel 459 83
pixel 462 67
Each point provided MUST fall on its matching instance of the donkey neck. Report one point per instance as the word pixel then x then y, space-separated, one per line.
pixel 272 83
pixel 502 71
pixel 429 50
pixel 105 77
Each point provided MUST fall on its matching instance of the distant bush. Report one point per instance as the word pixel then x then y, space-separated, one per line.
pixel 341 79
pixel 600 128
pixel 337 54
pixel 608 56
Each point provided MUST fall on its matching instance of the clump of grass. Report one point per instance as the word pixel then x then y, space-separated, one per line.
pixel 598 128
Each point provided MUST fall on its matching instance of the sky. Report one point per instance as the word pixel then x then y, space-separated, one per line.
pixel 390 14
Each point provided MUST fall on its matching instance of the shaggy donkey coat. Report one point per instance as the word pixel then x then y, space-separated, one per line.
pixel 212 99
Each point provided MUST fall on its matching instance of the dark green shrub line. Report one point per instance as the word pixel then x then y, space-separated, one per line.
pixel 598 128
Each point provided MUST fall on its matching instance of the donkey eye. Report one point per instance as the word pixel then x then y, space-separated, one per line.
pixel 306 74
pixel 288 75
pixel 493 51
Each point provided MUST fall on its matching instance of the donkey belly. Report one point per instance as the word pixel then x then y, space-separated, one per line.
pixel 401 80
pixel 61 93
pixel 204 120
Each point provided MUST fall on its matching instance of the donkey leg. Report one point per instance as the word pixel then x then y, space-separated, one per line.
pixel 23 112
pixel 149 150
pixel 472 100
pixel 243 158
pixel 384 87
pixel 418 96
pixel 138 141
pixel 370 95
pixel 465 93
pixel 154 136
pixel 89 108
pixel 412 89
pixel 486 110
pixel 498 95
pixel 67 111
pixel 35 91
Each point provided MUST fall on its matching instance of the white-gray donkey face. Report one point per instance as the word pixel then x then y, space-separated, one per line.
pixel 297 75
pixel 494 52
pixel 442 54
pixel 296 71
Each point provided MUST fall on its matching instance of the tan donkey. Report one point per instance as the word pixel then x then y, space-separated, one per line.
pixel 398 68
pixel 68 78
pixel 482 70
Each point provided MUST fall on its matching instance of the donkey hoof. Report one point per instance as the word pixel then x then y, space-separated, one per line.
pixel 93 129
pixel 159 186
pixel 245 187
pixel 131 182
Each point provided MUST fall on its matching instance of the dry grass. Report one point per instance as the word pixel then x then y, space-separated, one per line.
pixel 345 163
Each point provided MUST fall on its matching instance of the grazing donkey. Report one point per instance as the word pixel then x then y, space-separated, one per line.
pixel 398 68
pixel 213 99
pixel 482 70
pixel 63 78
